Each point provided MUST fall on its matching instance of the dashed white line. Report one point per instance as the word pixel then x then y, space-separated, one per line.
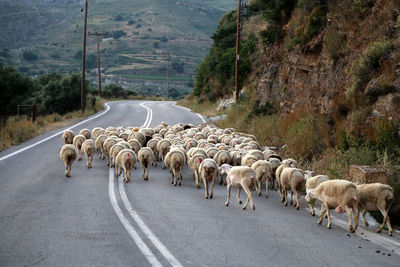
pixel 54 135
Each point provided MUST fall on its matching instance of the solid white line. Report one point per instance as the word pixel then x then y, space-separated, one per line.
pixel 149 116
pixel 54 135
pixel 375 238
pixel 150 235
pixel 129 228
pixel 198 114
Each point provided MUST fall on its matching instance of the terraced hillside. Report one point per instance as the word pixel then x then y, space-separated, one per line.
pixel 135 51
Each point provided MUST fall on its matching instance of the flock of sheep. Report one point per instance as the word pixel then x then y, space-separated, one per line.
pixel 235 158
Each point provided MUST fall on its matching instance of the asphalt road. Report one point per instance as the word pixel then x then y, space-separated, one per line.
pixel 93 219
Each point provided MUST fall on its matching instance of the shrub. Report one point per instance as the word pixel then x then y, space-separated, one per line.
pixel 30 56
pixel 270 35
pixel 119 18
pixel 335 44
pixel 361 69
pixel 131 22
pixel 313 25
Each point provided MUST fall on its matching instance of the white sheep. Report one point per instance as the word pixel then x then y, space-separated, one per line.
pixel 293 179
pixel 339 194
pixel 373 197
pixel 248 160
pixel 146 158
pixel 194 163
pixel 311 183
pixel 240 177
pixel 175 160
pixel 68 137
pixel 77 142
pixel 163 148
pixel 86 133
pixel 99 145
pixel 208 170
pixel 68 155
pixel 263 174
pixel 125 160
pixel 108 143
pixel 222 157
pixel 88 148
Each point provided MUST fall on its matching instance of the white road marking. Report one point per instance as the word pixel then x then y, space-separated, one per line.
pixel 146 230
pixel 150 235
pixel 125 222
pixel 54 135
pixel 198 114
pixel 378 239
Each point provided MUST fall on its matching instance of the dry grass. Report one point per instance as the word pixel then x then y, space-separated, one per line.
pixel 19 129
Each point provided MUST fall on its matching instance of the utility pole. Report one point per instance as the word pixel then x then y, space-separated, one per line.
pixel 84 60
pixel 237 53
pixel 168 76
pixel 98 56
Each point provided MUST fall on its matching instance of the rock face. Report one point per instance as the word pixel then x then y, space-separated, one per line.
pixel 307 75
pixel 367 174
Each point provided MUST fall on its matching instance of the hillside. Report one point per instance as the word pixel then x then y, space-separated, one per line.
pixel 320 78
pixel 133 54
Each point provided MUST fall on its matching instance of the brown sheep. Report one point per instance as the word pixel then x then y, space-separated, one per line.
pixel 68 155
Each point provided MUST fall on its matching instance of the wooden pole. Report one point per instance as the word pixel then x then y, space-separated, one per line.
pixel 98 57
pixel 168 77
pixel 84 60
pixel 237 53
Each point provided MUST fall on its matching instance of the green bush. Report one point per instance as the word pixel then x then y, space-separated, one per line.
pixel 30 56
pixel 363 68
pixel 313 25
pixel 270 35
pixel 335 44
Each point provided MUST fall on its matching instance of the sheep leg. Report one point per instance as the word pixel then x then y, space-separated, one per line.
pixel 238 195
pixel 212 189
pixel 312 204
pixel 281 191
pixel 228 191
pixel 389 225
pixel 87 161
pixel 298 195
pixel 129 174
pixel 266 187
pixel 144 172
pixel 291 197
pixel 321 216
pixel 221 179
pixel 363 216
pixel 180 175
pixel 66 169
pixel 147 176
pixel 285 195
pixel 349 212
pixel 385 216
pixel 196 179
pixel 259 187
pixel 329 226
pixel 205 188
pixel 249 197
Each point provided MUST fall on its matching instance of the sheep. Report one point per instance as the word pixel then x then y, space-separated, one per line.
pixel 99 145
pixel 114 150
pixel 68 137
pixel 125 160
pixel 248 160
pixel 86 133
pixel 222 157
pixel 108 143
pixel 175 160
pixel 236 157
pixel 135 145
pixel 293 179
pixel 211 152
pixel 275 163
pixel 240 177
pixel 163 148
pixel 152 144
pixel 208 170
pixel 284 164
pixel 146 157
pixel 263 174
pixel 88 148
pixel 373 197
pixel 194 163
pixel 77 142
pixel 311 183
pixel 97 131
pixel 257 153
pixel 337 194
pixel 68 155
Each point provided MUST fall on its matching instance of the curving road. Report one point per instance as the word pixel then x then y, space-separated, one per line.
pixel 93 219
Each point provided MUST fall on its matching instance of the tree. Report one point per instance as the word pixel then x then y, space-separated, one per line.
pixel 178 66
pixel 118 34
